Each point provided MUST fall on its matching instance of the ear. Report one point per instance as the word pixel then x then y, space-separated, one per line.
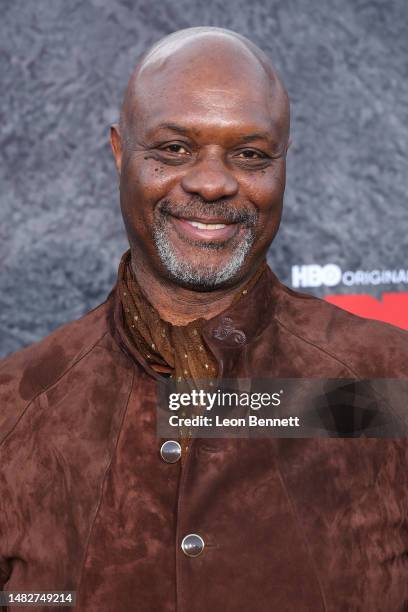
pixel 116 144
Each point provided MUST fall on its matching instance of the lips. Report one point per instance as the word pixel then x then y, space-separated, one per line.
pixel 204 229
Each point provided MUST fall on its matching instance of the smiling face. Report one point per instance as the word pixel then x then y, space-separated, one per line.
pixel 201 157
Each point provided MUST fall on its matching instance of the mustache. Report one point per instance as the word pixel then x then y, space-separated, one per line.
pixel 197 207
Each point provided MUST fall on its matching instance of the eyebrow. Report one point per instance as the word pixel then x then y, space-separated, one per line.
pixel 174 127
pixel 255 136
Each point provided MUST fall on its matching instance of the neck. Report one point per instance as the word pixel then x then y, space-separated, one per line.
pixel 178 305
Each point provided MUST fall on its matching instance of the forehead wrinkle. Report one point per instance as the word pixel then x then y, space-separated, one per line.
pixel 255 136
pixel 216 133
pixel 238 117
pixel 172 127
pixel 172 104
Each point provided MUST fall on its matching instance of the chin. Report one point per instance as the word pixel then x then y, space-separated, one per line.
pixel 203 277
pixel 203 268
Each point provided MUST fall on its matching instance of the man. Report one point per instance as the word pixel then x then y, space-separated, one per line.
pixel 91 500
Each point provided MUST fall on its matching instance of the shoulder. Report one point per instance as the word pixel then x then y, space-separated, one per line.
pixel 369 348
pixel 30 371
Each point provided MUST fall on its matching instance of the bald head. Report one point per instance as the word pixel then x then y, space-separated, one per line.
pixel 216 57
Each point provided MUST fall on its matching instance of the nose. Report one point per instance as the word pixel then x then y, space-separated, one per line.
pixel 210 179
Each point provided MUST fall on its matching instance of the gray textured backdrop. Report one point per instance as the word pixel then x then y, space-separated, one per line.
pixel 64 67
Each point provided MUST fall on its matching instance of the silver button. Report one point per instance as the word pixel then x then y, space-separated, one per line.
pixel 170 451
pixel 192 545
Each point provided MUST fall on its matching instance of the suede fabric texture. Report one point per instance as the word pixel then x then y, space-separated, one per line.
pixel 87 503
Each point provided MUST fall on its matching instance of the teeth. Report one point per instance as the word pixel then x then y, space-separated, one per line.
pixel 207 226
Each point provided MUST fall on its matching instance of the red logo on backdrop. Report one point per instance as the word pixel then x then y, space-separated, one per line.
pixel 392 308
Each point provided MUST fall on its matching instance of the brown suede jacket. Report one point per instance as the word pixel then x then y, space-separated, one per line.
pixel 303 525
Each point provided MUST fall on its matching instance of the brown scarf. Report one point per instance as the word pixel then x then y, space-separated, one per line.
pixel 178 350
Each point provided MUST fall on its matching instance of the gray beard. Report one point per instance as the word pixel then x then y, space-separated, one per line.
pixel 200 277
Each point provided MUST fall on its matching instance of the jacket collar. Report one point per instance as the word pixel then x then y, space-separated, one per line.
pixel 232 331
pixel 227 334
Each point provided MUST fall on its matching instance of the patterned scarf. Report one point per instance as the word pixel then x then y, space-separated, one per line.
pixel 178 350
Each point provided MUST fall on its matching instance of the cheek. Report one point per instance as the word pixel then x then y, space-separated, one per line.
pixel 265 189
pixel 144 181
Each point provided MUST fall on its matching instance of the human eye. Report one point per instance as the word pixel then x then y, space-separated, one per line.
pixel 176 147
pixel 251 159
pixel 251 154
